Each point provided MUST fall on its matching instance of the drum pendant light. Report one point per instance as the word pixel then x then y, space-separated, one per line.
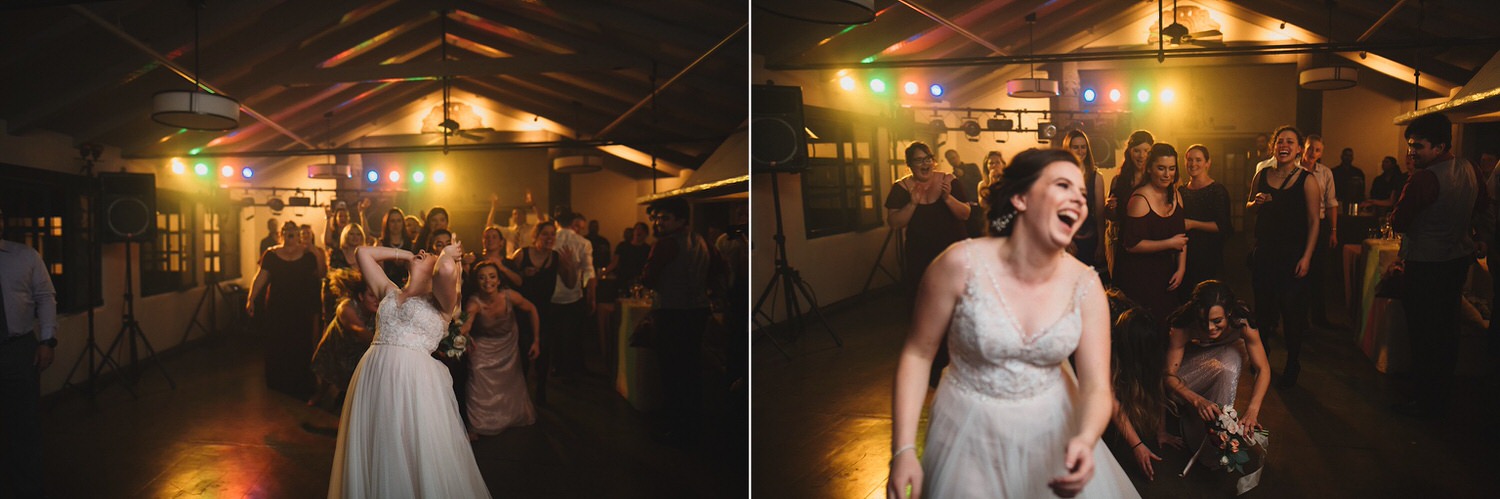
pixel 1031 87
pixel 195 109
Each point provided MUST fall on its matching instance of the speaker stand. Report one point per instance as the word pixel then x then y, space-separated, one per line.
pixel 880 265
pixel 91 348
pixel 210 296
pixel 789 283
pixel 132 329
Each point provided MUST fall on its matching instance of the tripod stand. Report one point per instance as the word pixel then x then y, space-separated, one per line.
pixel 210 296
pixel 91 347
pixel 789 283
pixel 132 329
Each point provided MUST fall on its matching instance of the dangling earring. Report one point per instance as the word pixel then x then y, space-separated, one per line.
pixel 1002 222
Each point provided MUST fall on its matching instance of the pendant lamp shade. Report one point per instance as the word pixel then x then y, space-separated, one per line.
pixel 1031 88
pixel 1328 77
pixel 195 110
pixel 573 161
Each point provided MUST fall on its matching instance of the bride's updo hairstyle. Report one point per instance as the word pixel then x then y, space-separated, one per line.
pixel 1193 315
pixel 1016 179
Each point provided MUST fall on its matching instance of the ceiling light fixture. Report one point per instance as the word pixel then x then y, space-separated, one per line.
pixel 1031 87
pixel 1330 75
pixel 332 169
pixel 195 109
pixel 577 159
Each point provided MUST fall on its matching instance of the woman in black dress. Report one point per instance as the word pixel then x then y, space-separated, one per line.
pixel 1205 203
pixel 1131 169
pixel 1089 248
pixel 933 209
pixel 1286 230
pixel 539 266
pixel 288 280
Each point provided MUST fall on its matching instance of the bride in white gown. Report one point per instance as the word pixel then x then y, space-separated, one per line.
pixel 400 435
pixel 1009 418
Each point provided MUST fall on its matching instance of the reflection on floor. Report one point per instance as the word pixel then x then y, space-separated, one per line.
pixel 221 433
pixel 822 421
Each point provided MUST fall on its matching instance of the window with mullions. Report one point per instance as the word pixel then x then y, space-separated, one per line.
pixel 165 260
pixel 221 242
pixel 838 187
pixel 49 212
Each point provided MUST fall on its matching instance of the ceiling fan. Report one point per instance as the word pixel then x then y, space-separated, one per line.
pixel 1184 21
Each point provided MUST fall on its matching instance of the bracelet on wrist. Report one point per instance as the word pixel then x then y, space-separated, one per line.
pixel 1137 444
pixel 904 448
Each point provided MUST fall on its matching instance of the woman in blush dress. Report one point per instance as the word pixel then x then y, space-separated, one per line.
pixel 1010 420
pixel 497 387
pixel 400 435
pixel 1154 238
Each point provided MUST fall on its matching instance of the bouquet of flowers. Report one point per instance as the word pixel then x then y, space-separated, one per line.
pixel 455 343
pixel 1234 442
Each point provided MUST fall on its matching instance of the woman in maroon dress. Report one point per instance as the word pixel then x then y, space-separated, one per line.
pixel 1154 237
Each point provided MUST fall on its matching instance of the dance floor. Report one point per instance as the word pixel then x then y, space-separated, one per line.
pixel 222 433
pixel 822 420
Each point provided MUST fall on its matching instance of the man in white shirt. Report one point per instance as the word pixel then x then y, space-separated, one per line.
pixel 28 322
pixel 571 306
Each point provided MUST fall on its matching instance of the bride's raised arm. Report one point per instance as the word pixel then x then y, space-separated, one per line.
pixel 445 284
pixel 369 265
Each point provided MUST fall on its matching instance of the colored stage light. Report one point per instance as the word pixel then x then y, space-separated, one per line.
pixel 877 85
pixel 372 176
pixel 395 176
pixel 847 83
pixel 226 170
pixel 200 169
pixel 910 87
pixel 1089 95
pixel 439 177
pixel 247 172
pixel 1143 95
pixel 178 168
pixel 936 90
pixel 1168 95
pixel 1114 95
pixel 418 177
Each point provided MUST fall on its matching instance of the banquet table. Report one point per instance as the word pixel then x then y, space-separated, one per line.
pixel 636 377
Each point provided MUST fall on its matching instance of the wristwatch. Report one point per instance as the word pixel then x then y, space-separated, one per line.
pixel 51 342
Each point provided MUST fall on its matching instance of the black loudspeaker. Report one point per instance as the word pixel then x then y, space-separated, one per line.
pixel 127 207
pixel 778 137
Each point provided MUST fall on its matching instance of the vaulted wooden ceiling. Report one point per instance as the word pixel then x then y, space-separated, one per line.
pixel 901 33
pixel 580 65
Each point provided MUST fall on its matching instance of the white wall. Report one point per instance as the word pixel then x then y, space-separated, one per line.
pixel 610 198
pixel 163 318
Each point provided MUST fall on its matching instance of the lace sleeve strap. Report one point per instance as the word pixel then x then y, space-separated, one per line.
pixel 1087 279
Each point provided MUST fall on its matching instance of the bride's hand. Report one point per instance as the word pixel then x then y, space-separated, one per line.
pixel 1207 410
pixel 1079 461
pixel 454 250
pixel 905 471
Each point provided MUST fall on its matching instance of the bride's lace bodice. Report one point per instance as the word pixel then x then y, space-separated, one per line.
pixel 990 354
pixel 413 323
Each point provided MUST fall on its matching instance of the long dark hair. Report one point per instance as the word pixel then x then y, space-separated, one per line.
pixel 1193 315
pixel 424 236
pixel 385 226
pixel 1017 178
pixel 1138 356
pixel 1127 167
pixel 1158 151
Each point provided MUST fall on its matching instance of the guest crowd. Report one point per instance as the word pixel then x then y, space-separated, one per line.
pixel 1180 337
pixel 533 295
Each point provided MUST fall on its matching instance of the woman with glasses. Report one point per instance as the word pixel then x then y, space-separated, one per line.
pixel 933 209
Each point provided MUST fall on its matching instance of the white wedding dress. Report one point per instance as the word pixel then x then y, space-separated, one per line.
pixel 400 435
pixel 1003 412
